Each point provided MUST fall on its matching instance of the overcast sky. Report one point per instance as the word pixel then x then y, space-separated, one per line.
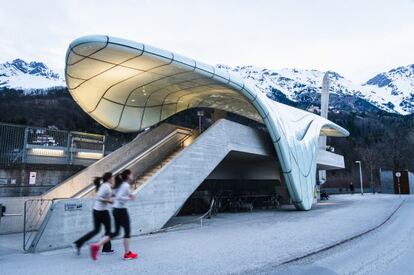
pixel 356 38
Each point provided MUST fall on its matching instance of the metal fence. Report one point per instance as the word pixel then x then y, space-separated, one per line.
pixel 34 145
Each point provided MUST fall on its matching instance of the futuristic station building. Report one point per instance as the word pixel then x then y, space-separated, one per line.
pixel 128 86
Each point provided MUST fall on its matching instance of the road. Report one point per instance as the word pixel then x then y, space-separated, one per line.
pixel 387 250
pixel 257 242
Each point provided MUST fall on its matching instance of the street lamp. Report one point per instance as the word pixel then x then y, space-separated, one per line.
pixel 360 176
pixel 200 114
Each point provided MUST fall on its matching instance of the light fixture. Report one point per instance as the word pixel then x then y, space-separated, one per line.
pixel 89 155
pixel 47 152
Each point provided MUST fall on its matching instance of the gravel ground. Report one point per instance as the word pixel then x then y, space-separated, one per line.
pixel 229 243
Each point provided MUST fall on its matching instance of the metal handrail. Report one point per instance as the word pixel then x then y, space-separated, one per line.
pixel 41 224
pixel 144 154
pixel 208 213
pixel 181 142
pixel 33 221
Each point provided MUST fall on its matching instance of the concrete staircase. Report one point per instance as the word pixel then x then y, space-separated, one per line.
pixel 151 172
pixel 140 155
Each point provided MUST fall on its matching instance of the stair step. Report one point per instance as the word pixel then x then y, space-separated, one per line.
pixel 146 176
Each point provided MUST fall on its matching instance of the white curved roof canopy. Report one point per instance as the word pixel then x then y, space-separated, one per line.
pixel 128 86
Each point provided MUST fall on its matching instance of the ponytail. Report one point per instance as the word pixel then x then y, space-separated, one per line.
pixel 97 182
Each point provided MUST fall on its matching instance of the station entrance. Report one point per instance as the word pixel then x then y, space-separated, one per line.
pixel 241 182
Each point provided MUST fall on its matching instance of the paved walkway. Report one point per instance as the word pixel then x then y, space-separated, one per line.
pixel 387 250
pixel 229 243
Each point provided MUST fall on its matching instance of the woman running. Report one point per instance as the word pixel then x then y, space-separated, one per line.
pixel 100 216
pixel 120 212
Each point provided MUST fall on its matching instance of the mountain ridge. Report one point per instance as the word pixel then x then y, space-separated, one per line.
pixel 28 76
pixel 391 91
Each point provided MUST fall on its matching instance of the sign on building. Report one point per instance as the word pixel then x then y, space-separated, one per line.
pixel 73 206
pixel 32 178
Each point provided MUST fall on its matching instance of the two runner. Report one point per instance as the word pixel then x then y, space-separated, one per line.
pixel 119 196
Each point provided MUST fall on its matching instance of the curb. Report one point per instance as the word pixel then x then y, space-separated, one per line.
pixel 295 259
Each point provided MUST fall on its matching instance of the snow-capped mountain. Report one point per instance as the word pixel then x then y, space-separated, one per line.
pixel 394 88
pixel 18 74
pixel 392 91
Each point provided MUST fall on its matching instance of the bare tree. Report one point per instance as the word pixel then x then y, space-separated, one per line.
pixel 372 156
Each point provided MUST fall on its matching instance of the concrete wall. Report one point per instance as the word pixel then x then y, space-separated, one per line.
pixel 13 224
pixel 46 178
pixel 387 182
pixel 163 195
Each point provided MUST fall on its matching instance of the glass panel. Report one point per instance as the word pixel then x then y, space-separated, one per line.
pixel 157 98
pixel 158 52
pixel 88 48
pixel 139 95
pixel 236 82
pixel 204 69
pixel 186 76
pixel 87 68
pixel 160 96
pixel 146 62
pixel 176 96
pixel 188 102
pixel 126 43
pixel 205 81
pixel 73 82
pixel 120 91
pixel 72 58
pixel 131 119
pixel 221 76
pixel 168 110
pixel 172 69
pixel 184 60
pixel 107 113
pixel 151 116
pixel 90 92
pixel 116 54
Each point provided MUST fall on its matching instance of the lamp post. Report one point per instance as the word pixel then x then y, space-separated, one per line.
pixel 398 175
pixel 360 176
pixel 200 114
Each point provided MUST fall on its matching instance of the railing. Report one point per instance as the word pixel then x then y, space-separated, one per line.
pixel 36 145
pixel 210 212
pixel 35 211
pixel 186 132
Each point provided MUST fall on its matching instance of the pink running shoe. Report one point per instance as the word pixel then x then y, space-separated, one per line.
pixel 130 255
pixel 94 251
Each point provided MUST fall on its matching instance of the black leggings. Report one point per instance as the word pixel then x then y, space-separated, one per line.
pixel 121 218
pixel 99 217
